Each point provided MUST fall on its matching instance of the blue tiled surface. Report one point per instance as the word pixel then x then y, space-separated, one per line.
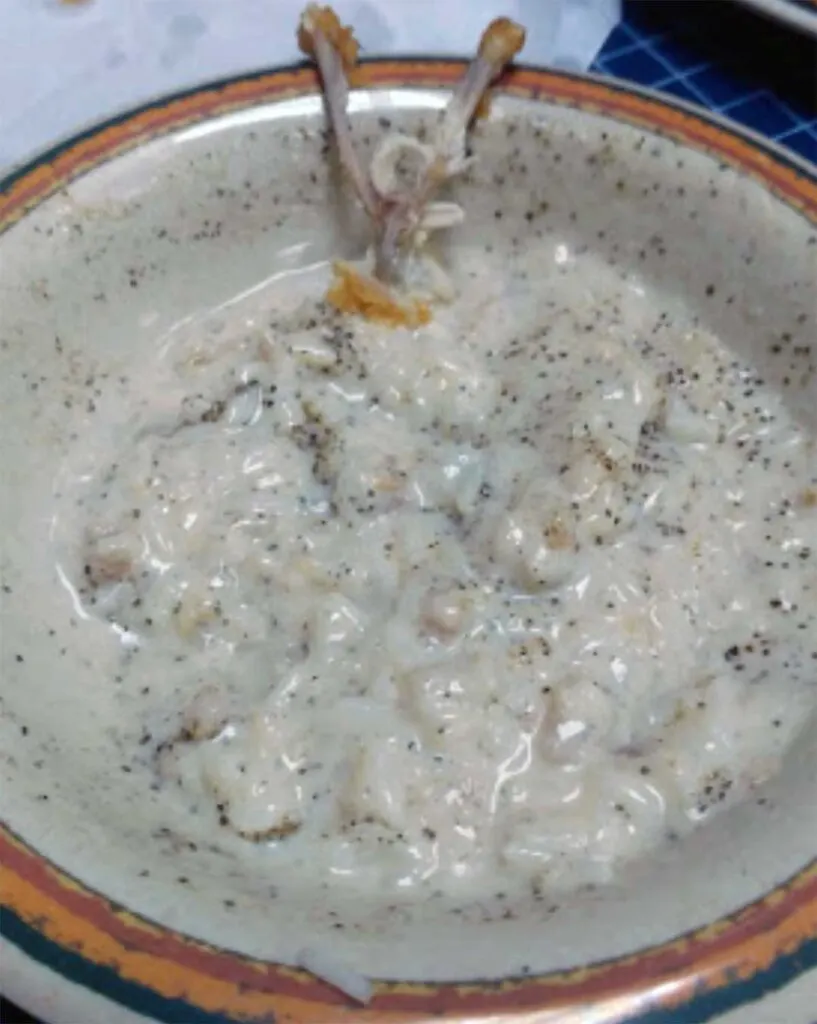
pixel 673 48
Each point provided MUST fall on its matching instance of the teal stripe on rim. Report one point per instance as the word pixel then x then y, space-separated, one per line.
pixel 107 983
pixel 102 980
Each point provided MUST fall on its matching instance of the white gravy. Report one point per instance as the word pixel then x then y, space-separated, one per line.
pixel 505 600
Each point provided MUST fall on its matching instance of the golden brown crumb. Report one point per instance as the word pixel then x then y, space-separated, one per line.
pixel 107 568
pixel 483 107
pixel 287 828
pixel 501 41
pixel 557 535
pixel 197 730
pixel 809 498
pixel 353 292
pixel 340 36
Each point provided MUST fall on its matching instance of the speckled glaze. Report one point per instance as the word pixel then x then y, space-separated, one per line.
pixel 113 237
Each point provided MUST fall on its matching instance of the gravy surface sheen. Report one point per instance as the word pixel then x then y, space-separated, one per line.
pixel 504 601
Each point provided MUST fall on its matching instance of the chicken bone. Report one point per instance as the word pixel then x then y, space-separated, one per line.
pixel 405 174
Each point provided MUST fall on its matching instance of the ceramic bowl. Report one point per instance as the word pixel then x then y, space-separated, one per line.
pixel 112 237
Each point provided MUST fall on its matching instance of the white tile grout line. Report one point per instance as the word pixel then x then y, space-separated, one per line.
pixel 707 101
pixel 743 99
pixel 683 75
pixel 675 75
pixel 793 113
pixel 810 127
pixel 799 122
pixel 620 51
pixel 804 127
pixel 668 64
pixel 637 42
pixel 627 30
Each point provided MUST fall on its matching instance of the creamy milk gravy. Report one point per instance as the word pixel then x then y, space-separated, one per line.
pixel 508 599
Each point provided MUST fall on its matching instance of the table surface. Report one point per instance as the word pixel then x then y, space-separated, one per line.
pixel 725 57
pixel 764 77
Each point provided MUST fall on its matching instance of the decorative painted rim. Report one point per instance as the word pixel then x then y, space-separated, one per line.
pixel 167 976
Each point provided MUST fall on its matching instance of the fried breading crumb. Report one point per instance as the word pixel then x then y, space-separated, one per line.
pixel 340 36
pixel 353 292
pixel 501 41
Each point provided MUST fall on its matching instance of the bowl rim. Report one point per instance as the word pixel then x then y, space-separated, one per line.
pixel 67 926
pixel 789 12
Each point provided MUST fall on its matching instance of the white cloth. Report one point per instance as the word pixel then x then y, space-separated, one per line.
pixel 64 66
